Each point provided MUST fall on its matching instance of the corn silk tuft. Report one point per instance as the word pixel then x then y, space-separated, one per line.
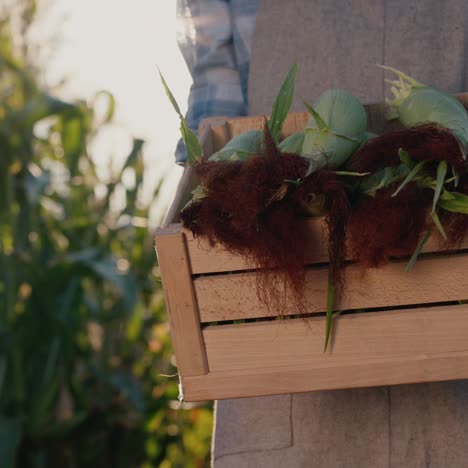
pixel 253 209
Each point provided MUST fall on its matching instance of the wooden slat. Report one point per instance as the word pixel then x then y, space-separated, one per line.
pixel 437 279
pixel 248 383
pixel 357 338
pixel 181 303
pixel 205 258
pixel 373 349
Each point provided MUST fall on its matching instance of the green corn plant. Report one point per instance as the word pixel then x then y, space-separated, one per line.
pixel 84 348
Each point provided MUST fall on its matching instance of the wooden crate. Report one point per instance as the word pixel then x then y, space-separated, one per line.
pixel 414 327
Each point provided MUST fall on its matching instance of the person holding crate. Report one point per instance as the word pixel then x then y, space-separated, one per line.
pixel 238 51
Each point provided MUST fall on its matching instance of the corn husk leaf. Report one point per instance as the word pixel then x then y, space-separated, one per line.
pixel 342 113
pixel 441 173
pixel 250 143
pixel 194 149
pixel 418 250
pixel 446 195
pixel 383 178
pixel 414 172
pixel 321 125
pixel 432 105
pixel 241 147
pixel 199 193
pixel 438 224
pixel 292 144
pixel 458 203
pixel 329 313
pixel 336 128
pixel 405 158
pixel 336 148
pixel 414 103
pixel 352 174
pixel 282 104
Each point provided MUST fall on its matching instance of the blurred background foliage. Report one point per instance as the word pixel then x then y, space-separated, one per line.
pixel 85 356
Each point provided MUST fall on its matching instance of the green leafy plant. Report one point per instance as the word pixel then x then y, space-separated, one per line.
pixel 84 345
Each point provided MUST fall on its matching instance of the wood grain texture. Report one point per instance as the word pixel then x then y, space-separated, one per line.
pixel 357 338
pixel 248 383
pixel 436 279
pixel 372 349
pixel 205 258
pixel 181 303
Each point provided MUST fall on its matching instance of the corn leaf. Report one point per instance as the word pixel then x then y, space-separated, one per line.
pixel 194 149
pixel 414 172
pixel 353 174
pixel 446 195
pixel 296 182
pixel 416 253
pixel 436 219
pixel 318 120
pixel 387 176
pixel 405 158
pixel 441 173
pixel 457 204
pixel 329 314
pixel 282 104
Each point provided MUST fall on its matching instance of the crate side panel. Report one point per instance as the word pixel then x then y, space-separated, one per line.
pixel 434 279
pixel 181 302
pixel 357 339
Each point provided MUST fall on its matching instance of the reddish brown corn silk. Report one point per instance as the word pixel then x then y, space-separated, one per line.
pixel 251 209
pixel 428 142
pixel 456 224
pixel 383 226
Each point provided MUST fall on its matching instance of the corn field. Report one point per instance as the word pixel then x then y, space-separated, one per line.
pixel 86 370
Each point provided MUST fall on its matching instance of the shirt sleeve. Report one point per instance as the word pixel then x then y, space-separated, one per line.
pixel 205 39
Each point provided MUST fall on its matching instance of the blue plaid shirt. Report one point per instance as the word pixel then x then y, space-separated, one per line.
pixel 214 38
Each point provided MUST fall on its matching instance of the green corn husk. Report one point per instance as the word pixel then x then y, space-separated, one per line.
pixel 414 103
pixel 382 179
pixel 194 149
pixel 241 147
pixel 247 144
pixel 293 143
pixel 337 127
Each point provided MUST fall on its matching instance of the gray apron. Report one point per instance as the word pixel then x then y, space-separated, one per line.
pixel 337 44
